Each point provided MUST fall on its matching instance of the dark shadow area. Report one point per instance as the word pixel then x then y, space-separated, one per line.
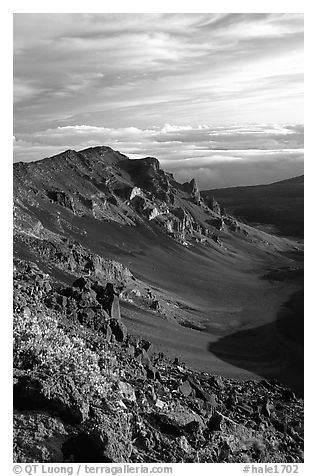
pixel 274 350
pixel 290 319
pixel 85 448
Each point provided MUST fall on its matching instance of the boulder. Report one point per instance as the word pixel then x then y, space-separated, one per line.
pixel 231 223
pixel 82 283
pixel 184 445
pixel 200 392
pixel 215 238
pixel 184 417
pixel 155 305
pixel 147 346
pixel 127 391
pixel 167 425
pixel 130 350
pixel 159 404
pixel 266 409
pixel 144 358
pixel 151 372
pixel 185 389
pixel 215 421
pixel 86 317
pixel 95 319
pixel 26 313
pixel 109 299
pixel 118 329
pixel 144 443
pixel 108 332
pixel 61 300
pixel 115 308
pixel 217 382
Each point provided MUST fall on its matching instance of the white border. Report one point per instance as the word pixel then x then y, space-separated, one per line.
pixel 168 6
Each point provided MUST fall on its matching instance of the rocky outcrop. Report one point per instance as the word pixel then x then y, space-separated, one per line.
pixel 107 186
pixel 92 304
pixel 214 206
pixel 179 224
pixel 217 222
pixel 80 396
pixel 136 192
pixel 147 175
pixel 62 198
pixel 69 256
pixel 194 191
pixel 234 225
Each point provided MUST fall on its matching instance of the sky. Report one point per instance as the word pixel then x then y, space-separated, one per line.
pixel 218 97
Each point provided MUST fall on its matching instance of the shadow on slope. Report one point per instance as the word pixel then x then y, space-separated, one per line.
pixel 274 350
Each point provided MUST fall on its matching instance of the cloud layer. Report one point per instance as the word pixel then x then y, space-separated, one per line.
pixel 216 156
pixel 121 79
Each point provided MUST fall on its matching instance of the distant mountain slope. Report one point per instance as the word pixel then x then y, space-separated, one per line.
pixel 280 204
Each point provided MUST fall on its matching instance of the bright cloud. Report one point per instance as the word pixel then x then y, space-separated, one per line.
pixel 165 85
pixel 216 156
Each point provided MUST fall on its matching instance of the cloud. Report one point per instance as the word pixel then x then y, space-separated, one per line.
pixel 214 95
pixel 216 156
pixel 116 70
pixel 251 171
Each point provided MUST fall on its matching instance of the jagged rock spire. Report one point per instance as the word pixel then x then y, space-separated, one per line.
pixel 214 206
pixel 194 190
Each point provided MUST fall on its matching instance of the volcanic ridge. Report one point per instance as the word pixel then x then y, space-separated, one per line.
pixel 150 324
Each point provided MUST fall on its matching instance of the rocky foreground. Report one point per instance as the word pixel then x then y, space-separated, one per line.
pixel 86 391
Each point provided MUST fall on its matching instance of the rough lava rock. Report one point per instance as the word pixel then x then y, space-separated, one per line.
pixel 80 397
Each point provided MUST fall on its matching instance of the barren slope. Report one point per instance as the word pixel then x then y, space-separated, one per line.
pixel 216 305
pixel 279 205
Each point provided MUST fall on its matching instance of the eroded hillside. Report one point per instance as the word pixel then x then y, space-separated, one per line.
pixel 113 255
